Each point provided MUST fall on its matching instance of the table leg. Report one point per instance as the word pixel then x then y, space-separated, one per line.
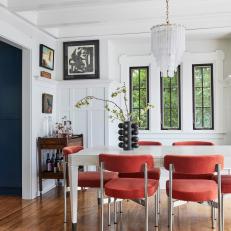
pixel 73 178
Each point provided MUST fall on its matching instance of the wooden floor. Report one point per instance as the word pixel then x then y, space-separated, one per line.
pixel 47 215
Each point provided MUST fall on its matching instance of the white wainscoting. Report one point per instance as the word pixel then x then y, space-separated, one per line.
pixel 92 121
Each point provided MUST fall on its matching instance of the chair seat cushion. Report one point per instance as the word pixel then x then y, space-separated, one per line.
pixel 152 174
pixel 225 183
pixel 92 179
pixel 71 150
pixel 129 188
pixel 193 190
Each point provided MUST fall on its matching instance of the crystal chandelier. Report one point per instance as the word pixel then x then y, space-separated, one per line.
pixel 168 45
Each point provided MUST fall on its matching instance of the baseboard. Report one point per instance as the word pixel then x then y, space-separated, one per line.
pixel 47 186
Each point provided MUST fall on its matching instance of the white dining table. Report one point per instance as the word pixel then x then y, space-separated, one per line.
pixel 89 156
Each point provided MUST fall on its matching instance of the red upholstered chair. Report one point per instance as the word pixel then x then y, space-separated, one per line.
pixel 194 190
pixel 152 174
pixel 85 179
pixel 149 143
pixel 192 143
pixel 128 188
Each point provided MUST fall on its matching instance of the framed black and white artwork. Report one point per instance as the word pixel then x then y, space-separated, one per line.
pixel 81 60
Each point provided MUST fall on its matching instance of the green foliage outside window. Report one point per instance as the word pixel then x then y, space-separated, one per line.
pixel 170 102
pixel 139 95
pixel 203 96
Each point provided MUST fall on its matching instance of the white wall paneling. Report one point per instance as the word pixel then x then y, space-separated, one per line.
pixel 227 108
pixel 41 86
pixel 91 120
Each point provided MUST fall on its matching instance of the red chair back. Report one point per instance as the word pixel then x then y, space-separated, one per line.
pixel 71 150
pixel 149 143
pixel 126 163
pixel 192 143
pixel 205 164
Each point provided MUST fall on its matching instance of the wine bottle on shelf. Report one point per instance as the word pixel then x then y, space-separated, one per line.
pixel 53 162
pixel 61 164
pixel 57 162
pixel 48 163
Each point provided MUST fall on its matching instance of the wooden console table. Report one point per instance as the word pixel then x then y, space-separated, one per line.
pixel 55 143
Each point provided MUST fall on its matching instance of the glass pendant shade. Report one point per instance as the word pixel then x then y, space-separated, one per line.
pixel 168 46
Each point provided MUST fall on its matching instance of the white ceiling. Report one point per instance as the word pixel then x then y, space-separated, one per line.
pixel 90 18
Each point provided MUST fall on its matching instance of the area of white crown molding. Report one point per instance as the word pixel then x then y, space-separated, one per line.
pixel 40 5
pixel 4 3
pixel 89 18
pixel 197 29
pixel 31 16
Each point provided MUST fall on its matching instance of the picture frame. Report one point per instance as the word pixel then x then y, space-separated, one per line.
pixel 46 57
pixel 47 103
pixel 81 60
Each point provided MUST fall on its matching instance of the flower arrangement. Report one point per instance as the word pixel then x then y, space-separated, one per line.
pixel 115 111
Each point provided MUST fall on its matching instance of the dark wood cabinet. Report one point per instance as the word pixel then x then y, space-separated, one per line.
pixel 54 143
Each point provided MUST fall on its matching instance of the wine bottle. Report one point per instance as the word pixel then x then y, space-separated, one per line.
pixel 52 162
pixel 57 162
pixel 48 163
pixel 61 164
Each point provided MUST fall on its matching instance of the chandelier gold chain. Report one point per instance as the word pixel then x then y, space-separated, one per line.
pixel 167 11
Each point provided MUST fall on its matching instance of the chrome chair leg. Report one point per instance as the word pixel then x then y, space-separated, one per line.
pixel 121 206
pixel 146 195
pixel 211 212
pixel 115 211
pixel 215 214
pixel 158 200
pixel 109 211
pixel 222 211
pixel 213 217
pixel 146 214
pixel 170 202
pixel 170 213
pixel 101 193
pixel 219 198
pixel 65 192
pixel 156 209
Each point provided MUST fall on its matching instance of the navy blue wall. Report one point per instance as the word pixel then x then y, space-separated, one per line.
pixel 10 120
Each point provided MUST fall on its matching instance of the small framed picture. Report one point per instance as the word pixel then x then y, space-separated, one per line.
pixel 46 57
pixel 47 103
pixel 81 60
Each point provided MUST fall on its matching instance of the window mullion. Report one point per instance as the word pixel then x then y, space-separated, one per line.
pixel 202 95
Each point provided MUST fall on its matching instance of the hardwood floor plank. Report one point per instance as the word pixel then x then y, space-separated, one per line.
pixel 46 214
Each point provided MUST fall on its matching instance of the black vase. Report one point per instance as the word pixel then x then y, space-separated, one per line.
pixel 128 138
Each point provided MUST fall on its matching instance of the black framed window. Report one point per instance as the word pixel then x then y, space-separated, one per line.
pixel 203 109
pixel 139 94
pixel 170 102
